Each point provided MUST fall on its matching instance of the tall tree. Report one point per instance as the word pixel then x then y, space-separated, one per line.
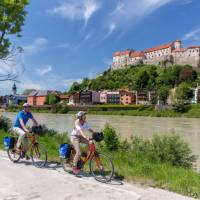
pixel 12 16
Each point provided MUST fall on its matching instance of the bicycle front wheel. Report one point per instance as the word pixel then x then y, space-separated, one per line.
pixel 38 155
pixel 101 167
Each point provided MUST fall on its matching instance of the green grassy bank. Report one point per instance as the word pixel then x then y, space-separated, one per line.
pixel 164 161
pixel 190 111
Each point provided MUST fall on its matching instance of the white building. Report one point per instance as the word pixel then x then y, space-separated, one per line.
pixel 172 53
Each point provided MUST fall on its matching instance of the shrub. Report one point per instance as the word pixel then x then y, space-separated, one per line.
pixel 171 149
pixel 111 139
pixel 47 132
pixel 5 123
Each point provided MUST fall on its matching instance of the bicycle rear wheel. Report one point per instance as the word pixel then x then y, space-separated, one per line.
pixel 101 167
pixel 13 155
pixel 38 155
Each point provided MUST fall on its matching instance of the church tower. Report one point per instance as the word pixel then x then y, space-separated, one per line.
pixel 14 89
pixel 177 44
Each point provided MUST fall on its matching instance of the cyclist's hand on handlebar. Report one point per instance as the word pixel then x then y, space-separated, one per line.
pixel 91 141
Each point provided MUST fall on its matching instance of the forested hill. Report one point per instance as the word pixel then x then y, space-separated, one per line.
pixel 140 77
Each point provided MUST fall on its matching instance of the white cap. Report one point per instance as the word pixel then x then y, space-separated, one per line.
pixel 26 105
pixel 80 113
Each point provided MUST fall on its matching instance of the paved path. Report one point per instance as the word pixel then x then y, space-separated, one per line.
pixel 22 181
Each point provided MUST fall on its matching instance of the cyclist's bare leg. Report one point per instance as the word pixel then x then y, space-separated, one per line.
pixel 76 144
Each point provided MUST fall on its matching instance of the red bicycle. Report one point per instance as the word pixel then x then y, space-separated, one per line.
pixel 37 151
pixel 100 165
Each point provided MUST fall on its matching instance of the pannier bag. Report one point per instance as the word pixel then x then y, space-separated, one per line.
pixel 98 137
pixel 64 150
pixel 9 142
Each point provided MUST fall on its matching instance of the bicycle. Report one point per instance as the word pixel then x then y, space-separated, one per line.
pixel 100 165
pixel 38 152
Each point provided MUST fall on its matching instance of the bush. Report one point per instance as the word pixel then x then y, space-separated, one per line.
pixel 47 132
pixel 5 123
pixel 111 139
pixel 171 149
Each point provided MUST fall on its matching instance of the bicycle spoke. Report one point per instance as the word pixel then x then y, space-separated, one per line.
pixel 38 155
pixel 102 167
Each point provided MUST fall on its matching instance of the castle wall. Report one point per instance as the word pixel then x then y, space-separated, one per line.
pixel 189 56
pixel 172 53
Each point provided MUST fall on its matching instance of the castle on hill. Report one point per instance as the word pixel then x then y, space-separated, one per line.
pixel 167 54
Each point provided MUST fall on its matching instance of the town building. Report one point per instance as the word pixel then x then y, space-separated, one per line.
pixel 196 95
pixel 127 97
pixel 64 98
pixel 167 54
pixel 85 97
pixel 103 97
pixel 74 99
pixel 38 97
pixel 113 97
pixel 95 97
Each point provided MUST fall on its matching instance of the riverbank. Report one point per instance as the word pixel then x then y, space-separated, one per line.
pixel 189 111
pixel 166 166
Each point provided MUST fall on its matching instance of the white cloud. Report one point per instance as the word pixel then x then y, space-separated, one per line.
pixel 193 35
pixel 44 70
pixel 63 46
pixel 127 13
pixel 38 45
pixel 186 2
pixel 76 9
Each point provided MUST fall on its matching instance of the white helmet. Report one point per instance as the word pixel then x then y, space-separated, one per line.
pixel 80 114
pixel 26 105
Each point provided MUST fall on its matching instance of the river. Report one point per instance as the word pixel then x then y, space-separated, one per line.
pixel 188 128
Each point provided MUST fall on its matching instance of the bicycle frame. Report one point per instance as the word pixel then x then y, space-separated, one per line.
pixel 32 138
pixel 92 150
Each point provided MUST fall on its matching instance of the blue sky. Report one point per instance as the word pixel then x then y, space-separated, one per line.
pixel 66 40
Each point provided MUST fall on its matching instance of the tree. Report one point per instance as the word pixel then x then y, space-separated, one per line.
pixel 12 16
pixel 53 99
pixel 183 93
pixel 187 74
pixel 141 80
pixel 163 93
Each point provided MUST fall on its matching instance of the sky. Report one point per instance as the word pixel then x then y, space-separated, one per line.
pixel 66 40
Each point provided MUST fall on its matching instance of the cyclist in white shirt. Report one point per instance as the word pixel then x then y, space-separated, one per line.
pixel 78 136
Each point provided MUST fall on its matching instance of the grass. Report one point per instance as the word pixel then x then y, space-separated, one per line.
pixel 192 111
pixel 135 167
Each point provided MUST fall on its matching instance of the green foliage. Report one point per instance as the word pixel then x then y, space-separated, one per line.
pixel 170 149
pixel 111 139
pixel 52 99
pixel 5 123
pixel 12 15
pixel 163 93
pixel 140 77
pixel 183 93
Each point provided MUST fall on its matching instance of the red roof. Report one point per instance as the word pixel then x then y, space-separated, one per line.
pixel 193 47
pixel 178 50
pixel 137 54
pixel 165 46
pixel 121 53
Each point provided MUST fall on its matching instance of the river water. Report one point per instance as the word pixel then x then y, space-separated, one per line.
pixel 126 126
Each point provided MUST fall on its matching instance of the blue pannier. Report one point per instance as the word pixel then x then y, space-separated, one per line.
pixel 9 142
pixel 64 150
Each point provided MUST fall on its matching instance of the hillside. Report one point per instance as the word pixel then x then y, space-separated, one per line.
pixel 142 77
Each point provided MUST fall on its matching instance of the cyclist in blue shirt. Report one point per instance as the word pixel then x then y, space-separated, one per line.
pixel 20 129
